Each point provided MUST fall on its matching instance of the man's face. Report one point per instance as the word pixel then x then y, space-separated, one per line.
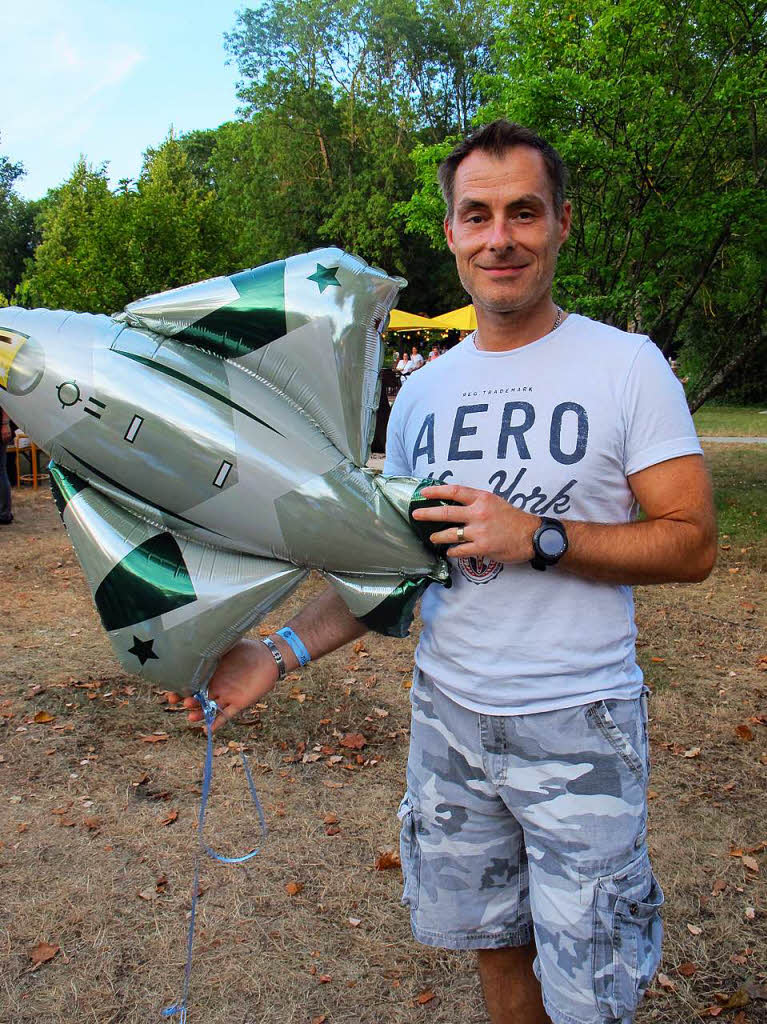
pixel 504 231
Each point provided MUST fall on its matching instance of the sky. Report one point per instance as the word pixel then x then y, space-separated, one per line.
pixel 108 79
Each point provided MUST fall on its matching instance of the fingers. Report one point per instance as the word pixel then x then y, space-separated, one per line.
pixel 441 514
pixel 449 492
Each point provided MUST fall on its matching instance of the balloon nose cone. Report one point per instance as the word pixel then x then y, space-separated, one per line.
pixel 22 363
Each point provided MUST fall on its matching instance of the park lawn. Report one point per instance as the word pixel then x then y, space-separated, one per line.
pixel 99 784
pixel 740 492
pixel 731 420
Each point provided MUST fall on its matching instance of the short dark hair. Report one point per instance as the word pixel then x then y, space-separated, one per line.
pixel 496 138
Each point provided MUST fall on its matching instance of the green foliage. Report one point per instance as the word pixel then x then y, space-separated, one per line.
pixel 658 109
pixel 17 235
pixel 659 112
pixel 78 263
pixel 101 249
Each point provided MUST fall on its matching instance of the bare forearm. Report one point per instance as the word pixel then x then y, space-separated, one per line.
pixel 324 625
pixel 655 551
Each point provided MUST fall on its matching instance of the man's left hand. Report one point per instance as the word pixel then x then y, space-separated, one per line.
pixel 492 529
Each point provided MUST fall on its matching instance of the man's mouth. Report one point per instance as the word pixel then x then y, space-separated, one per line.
pixel 503 269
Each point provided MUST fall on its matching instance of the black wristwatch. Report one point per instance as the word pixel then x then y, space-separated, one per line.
pixel 549 543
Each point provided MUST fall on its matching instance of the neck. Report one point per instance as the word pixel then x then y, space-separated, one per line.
pixel 501 332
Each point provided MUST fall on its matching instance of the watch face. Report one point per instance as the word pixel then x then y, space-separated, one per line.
pixel 551 542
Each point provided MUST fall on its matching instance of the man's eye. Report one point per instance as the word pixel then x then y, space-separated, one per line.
pixel 525 215
pixel 475 218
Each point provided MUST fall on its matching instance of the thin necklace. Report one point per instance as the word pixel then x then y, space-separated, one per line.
pixel 558 319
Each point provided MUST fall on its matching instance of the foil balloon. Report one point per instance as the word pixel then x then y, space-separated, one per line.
pixel 208 447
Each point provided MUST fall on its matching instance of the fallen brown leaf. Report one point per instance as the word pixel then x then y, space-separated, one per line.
pixel 424 997
pixel 321 1019
pixel 294 888
pixel 353 741
pixel 387 860
pixel 44 716
pixel 744 733
pixel 693 929
pixel 155 737
pixel 325 979
pixel 687 969
pixel 750 862
pixel 42 953
pixel 169 818
pixel 692 752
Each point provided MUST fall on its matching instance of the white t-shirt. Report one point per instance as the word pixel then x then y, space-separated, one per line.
pixel 417 360
pixel 555 427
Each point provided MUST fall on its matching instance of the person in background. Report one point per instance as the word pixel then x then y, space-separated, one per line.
pixel 401 363
pixel 6 436
pixel 416 359
pixel 434 354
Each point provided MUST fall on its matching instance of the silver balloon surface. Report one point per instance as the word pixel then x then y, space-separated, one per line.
pixel 208 447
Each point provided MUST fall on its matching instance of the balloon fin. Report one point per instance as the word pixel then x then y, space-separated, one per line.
pixel 172 607
pixel 309 325
pixel 386 604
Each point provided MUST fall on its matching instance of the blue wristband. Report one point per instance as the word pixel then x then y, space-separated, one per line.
pixel 294 642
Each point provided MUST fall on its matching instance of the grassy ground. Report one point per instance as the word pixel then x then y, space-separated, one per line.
pixel 732 420
pixel 97 823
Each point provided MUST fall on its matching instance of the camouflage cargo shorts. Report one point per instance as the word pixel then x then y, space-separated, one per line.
pixel 534 826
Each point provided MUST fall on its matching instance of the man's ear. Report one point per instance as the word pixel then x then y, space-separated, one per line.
pixel 448 226
pixel 565 221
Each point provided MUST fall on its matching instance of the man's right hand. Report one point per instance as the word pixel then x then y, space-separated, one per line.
pixel 244 675
pixel 248 672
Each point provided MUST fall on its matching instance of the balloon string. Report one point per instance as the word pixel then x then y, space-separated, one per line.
pixel 209 710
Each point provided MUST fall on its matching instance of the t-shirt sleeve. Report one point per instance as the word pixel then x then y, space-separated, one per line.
pixel 658 425
pixel 396 462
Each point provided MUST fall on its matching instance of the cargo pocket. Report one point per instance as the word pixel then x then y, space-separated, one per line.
pixel 410 853
pixel 627 937
pixel 598 715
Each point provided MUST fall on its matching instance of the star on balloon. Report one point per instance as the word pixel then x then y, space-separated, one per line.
pixel 323 277
pixel 143 650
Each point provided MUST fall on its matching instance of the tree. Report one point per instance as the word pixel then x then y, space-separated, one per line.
pixel 17 232
pixel 659 111
pixel 337 97
pixel 80 263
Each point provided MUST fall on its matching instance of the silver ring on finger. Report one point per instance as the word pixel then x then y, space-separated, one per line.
pixel 460 532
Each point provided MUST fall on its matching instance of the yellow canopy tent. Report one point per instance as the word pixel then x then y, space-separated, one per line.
pixel 399 321
pixel 463 319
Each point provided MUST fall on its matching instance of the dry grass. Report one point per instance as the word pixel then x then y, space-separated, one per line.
pixel 261 953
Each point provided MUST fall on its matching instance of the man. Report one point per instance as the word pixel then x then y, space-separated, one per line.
pixel 524 821
pixel 416 359
pixel 6 436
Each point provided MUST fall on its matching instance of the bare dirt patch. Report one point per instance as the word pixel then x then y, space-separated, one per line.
pixel 97 823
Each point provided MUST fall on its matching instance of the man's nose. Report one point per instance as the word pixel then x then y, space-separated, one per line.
pixel 501 236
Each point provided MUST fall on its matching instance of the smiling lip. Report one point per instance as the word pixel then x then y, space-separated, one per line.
pixel 504 271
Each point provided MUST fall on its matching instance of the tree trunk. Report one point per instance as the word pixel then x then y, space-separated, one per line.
pixel 721 377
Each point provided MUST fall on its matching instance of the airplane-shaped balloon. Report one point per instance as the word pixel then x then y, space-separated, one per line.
pixel 208 447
